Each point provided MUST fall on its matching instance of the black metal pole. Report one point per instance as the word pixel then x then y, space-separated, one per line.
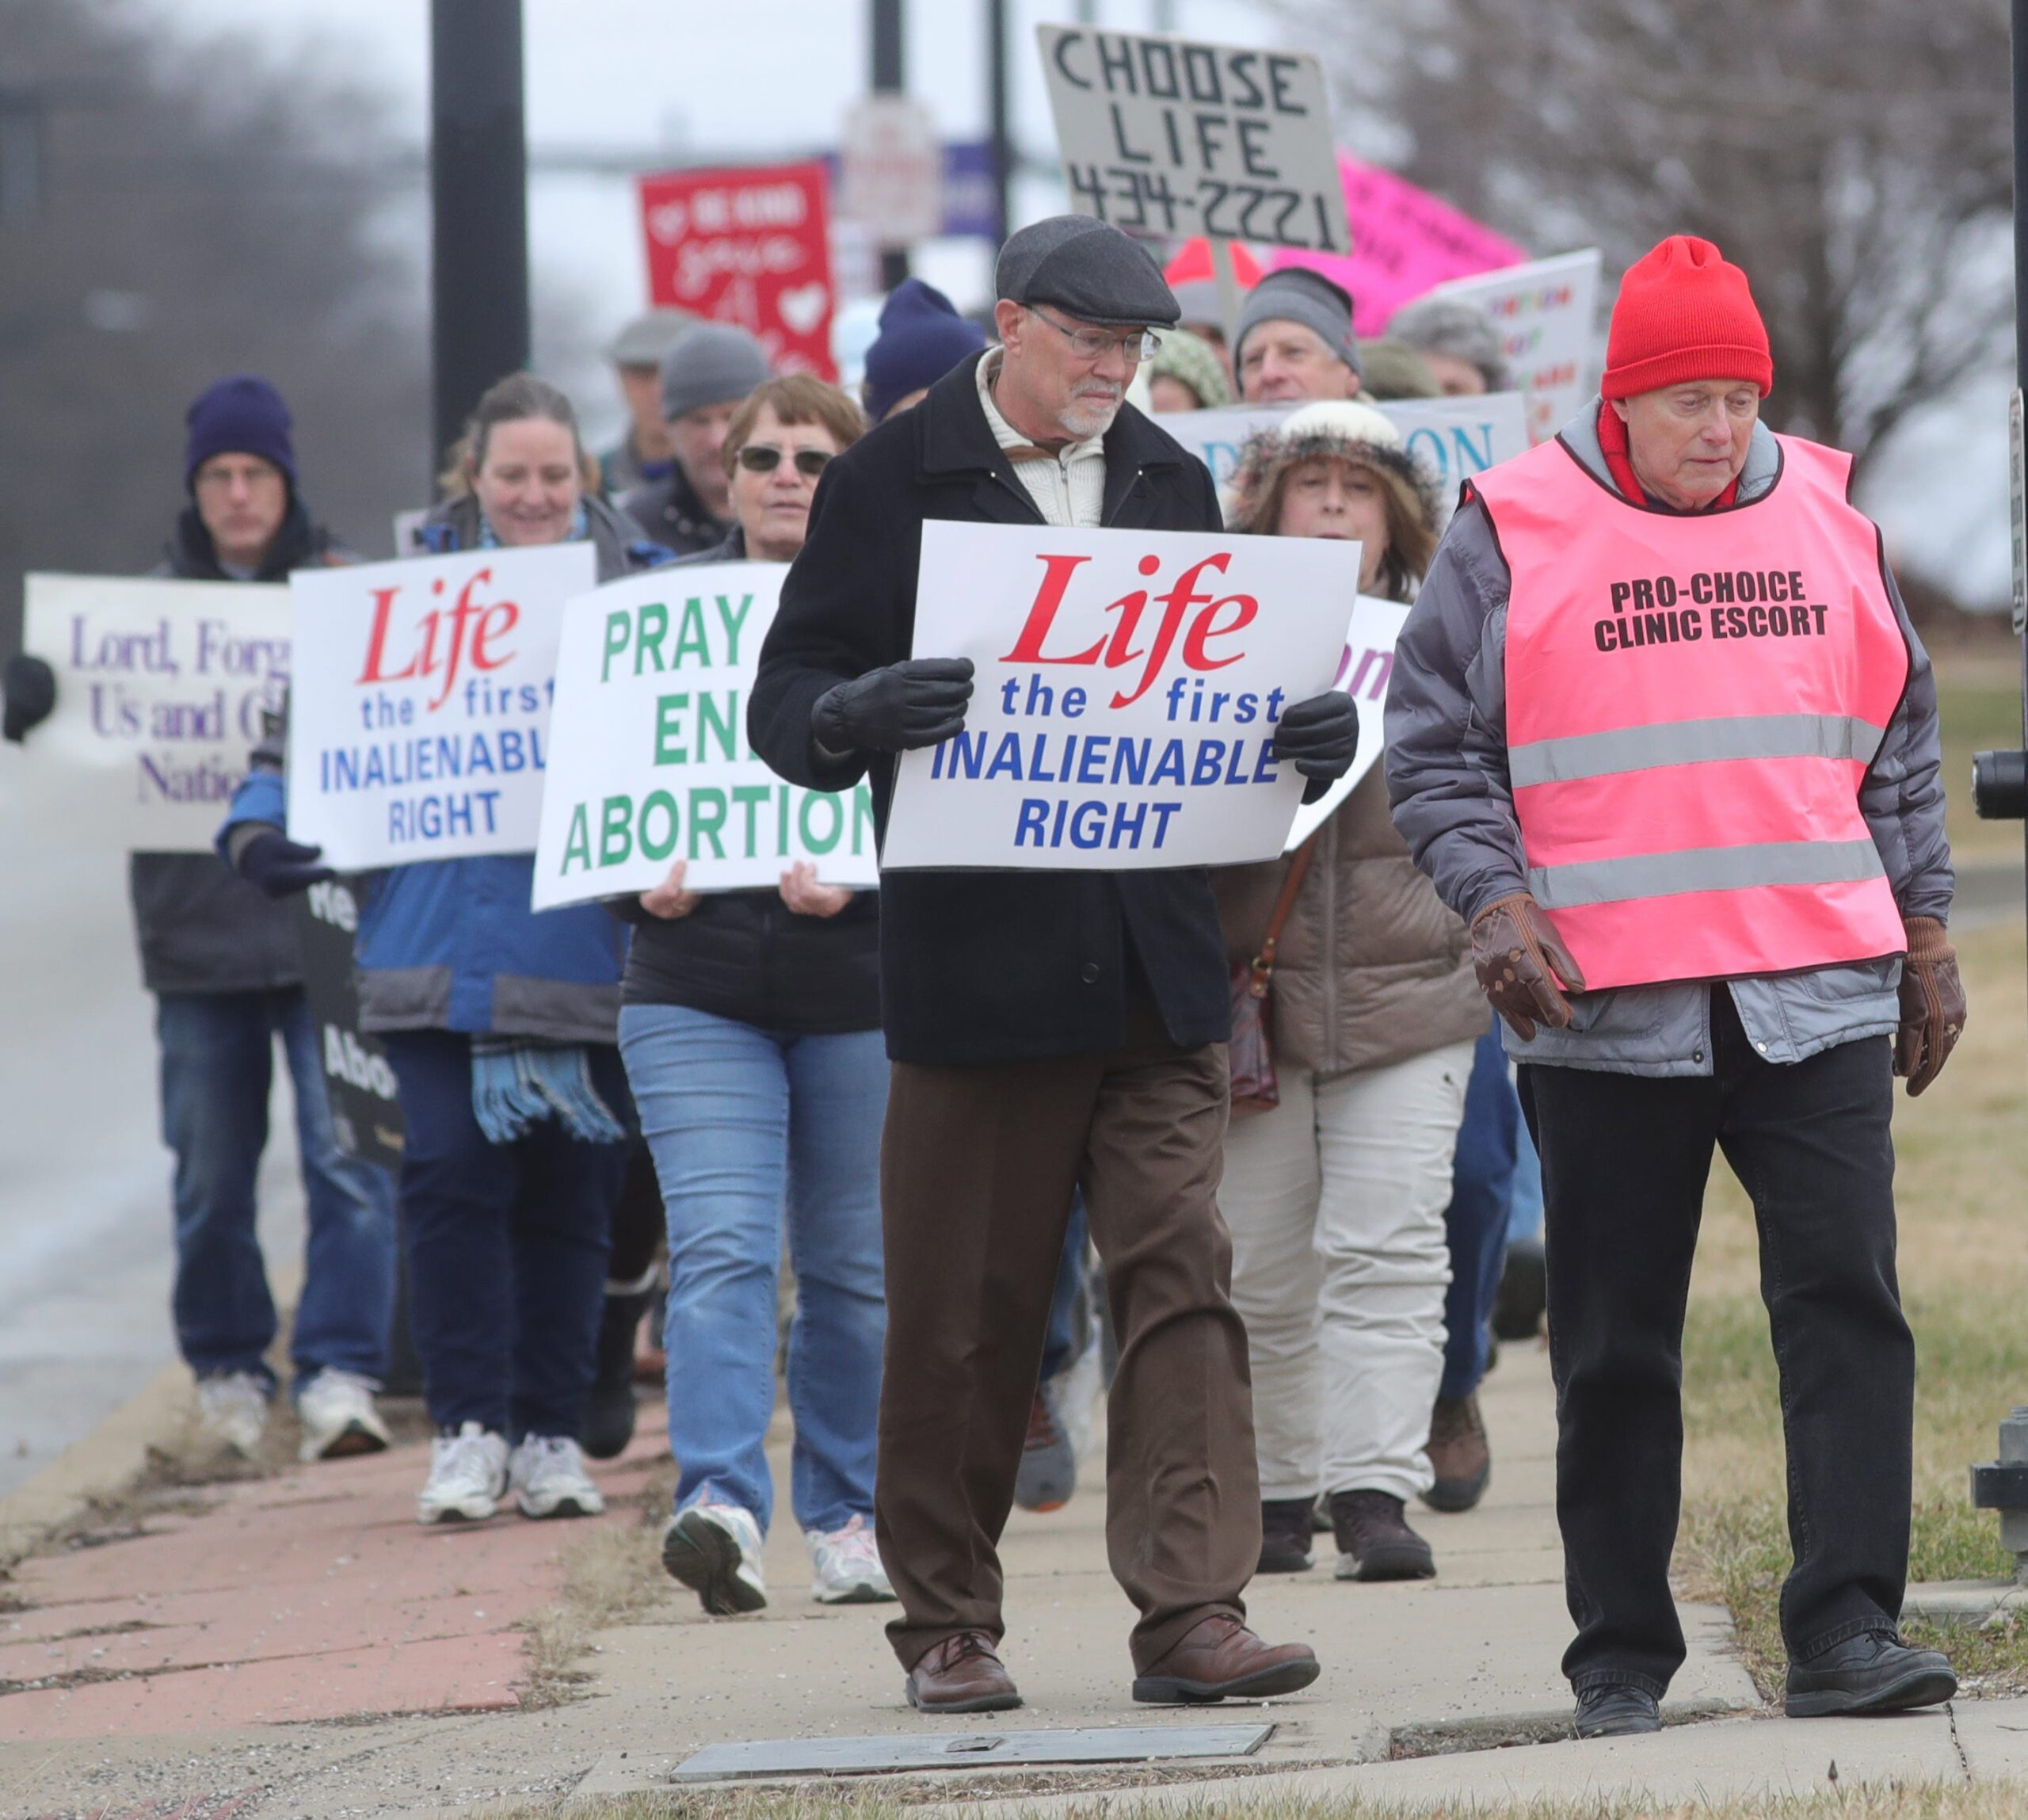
pixel 889 78
pixel 478 195
pixel 1000 141
pixel 2020 39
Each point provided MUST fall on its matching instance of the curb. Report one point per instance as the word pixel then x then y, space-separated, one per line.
pixel 102 1464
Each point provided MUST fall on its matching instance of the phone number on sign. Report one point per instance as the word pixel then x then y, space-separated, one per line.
pixel 1145 202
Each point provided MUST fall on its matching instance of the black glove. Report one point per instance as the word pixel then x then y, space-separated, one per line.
pixel 31 689
pixel 281 867
pixel 1319 736
pixel 918 702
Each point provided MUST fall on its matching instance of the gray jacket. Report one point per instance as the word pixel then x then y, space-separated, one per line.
pixel 1447 780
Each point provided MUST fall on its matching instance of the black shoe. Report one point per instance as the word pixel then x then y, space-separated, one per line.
pixel 609 1415
pixel 1375 1540
pixel 1875 1672
pixel 1285 1534
pixel 1616 1712
pixel 1523 1293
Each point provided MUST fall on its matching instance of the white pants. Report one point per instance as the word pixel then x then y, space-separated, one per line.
pixel 1336 1199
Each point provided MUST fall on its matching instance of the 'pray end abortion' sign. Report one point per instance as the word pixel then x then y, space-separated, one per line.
pixel 649 762
pixel 1127 688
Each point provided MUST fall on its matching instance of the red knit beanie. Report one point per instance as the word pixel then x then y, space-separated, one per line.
pixel 1684 314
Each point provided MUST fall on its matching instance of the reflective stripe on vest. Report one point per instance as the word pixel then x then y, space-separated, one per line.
pixel 1692 702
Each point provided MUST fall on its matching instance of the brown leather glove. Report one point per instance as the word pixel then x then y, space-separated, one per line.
pixel 1932 1004
pixel 1520 959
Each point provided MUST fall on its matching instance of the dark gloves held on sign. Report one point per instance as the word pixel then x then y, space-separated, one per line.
pixel 31 689
pixel 1932 1004
pixel 1520 959
pixel 1319 737
pixel 281 867
pixel 899 708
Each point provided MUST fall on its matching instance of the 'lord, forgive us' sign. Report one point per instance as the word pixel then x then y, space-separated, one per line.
pixel 1128 687
pixel 419 714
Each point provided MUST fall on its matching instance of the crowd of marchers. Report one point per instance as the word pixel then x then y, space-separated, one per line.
pixel 989 1119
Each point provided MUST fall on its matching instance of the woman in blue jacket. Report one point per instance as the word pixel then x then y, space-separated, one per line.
pixel 501 1026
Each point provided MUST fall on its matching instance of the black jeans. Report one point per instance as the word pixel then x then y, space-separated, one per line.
pixel 1624 1162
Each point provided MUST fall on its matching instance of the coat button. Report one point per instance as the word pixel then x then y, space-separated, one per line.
pixel 1089 973
pixel 1697 1055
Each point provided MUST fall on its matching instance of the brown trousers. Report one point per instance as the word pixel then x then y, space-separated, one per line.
pixel 977 1167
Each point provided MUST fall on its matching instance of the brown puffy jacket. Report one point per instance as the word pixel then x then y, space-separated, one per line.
pixel 1372 969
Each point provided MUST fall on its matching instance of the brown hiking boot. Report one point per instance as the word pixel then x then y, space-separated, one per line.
pixel 1220 1659
pixel 962 1674
pixel 1375 1540
pixel 1458 1452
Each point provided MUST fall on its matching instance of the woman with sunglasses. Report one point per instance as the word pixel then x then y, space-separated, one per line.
pixel 750 1026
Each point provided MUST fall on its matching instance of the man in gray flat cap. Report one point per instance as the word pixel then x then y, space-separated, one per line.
pixel 1047 1029
pixel 1294 341
pixel 707 373
pixel 645 453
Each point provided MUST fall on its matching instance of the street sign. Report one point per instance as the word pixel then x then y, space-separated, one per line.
pixel 747 245
pixel 1169 137
pixel 2017 496
pixel 890 170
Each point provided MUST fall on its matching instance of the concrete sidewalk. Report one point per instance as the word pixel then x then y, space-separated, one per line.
pixel 303 1646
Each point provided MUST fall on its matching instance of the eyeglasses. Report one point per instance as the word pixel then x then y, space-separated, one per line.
pixel 764 458
pixel 1094 344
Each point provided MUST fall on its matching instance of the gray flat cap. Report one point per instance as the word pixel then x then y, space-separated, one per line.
pixel 1088 269
pixel 645 340
pixel 1296 294
pixel 710 363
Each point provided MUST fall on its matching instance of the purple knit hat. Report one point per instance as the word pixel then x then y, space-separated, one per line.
pixel 242 415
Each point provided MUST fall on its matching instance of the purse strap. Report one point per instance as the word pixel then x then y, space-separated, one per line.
pixel 1262 973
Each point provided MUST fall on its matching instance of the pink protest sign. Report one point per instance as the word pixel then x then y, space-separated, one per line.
pixel 1404 241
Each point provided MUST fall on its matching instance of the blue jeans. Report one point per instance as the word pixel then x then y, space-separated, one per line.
pixel 1524 1219
pixel 217 1067
pixel 507 1245
pixel 1481 1188
pixel 747 1125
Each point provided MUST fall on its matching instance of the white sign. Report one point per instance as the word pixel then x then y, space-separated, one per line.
pixel 419 719
pixel 1456 436
pixel 1128 683
pixel 1363 673
pixel 1171 138
pixel 160 690
pixel 649 762
pixel 1546 312
pixel 890 170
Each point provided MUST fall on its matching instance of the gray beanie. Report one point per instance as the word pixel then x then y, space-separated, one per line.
pixel 1296 294
pixel 714 363
pixel 1087 268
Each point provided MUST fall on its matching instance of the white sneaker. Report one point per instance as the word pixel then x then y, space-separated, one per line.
pixel 547 1475
pixel 849 1569
pixel 336 1409
pixel 467 1477
pixel 714 1550
pixel 233 1410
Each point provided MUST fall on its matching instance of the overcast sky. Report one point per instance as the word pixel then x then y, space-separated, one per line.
pixel 748 78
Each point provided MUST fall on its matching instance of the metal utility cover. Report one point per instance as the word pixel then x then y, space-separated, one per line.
pixel 967 1750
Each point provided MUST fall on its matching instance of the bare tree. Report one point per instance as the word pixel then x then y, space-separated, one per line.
pixel 1853 155
pixel 193 212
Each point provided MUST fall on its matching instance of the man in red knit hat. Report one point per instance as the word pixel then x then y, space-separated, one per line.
pixel 1661 732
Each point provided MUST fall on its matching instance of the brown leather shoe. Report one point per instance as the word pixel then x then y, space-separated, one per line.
pixel 1458 1454
pixel 1220 1659
pixel 962 1674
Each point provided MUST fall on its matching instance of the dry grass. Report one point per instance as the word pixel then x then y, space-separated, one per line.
pixel 1963 1151
pixel 1979 695
pixel 611 1574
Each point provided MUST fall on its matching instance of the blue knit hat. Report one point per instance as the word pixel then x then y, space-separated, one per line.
pixel 922 338
pixel 242 415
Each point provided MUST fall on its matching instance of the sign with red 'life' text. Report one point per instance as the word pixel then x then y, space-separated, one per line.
pixel 419 714
pixel 750 246
pixel 1127 689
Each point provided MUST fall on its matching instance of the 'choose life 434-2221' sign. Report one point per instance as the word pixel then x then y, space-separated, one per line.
pixel 1127 688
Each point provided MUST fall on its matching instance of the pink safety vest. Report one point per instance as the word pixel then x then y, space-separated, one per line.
pixel 1692 702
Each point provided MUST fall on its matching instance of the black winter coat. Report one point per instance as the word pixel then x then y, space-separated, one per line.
pixel 983 967
pixel 746 955
pixel 670 512
pixel 202 928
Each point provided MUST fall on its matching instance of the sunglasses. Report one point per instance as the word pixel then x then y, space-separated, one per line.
pixel 764 458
